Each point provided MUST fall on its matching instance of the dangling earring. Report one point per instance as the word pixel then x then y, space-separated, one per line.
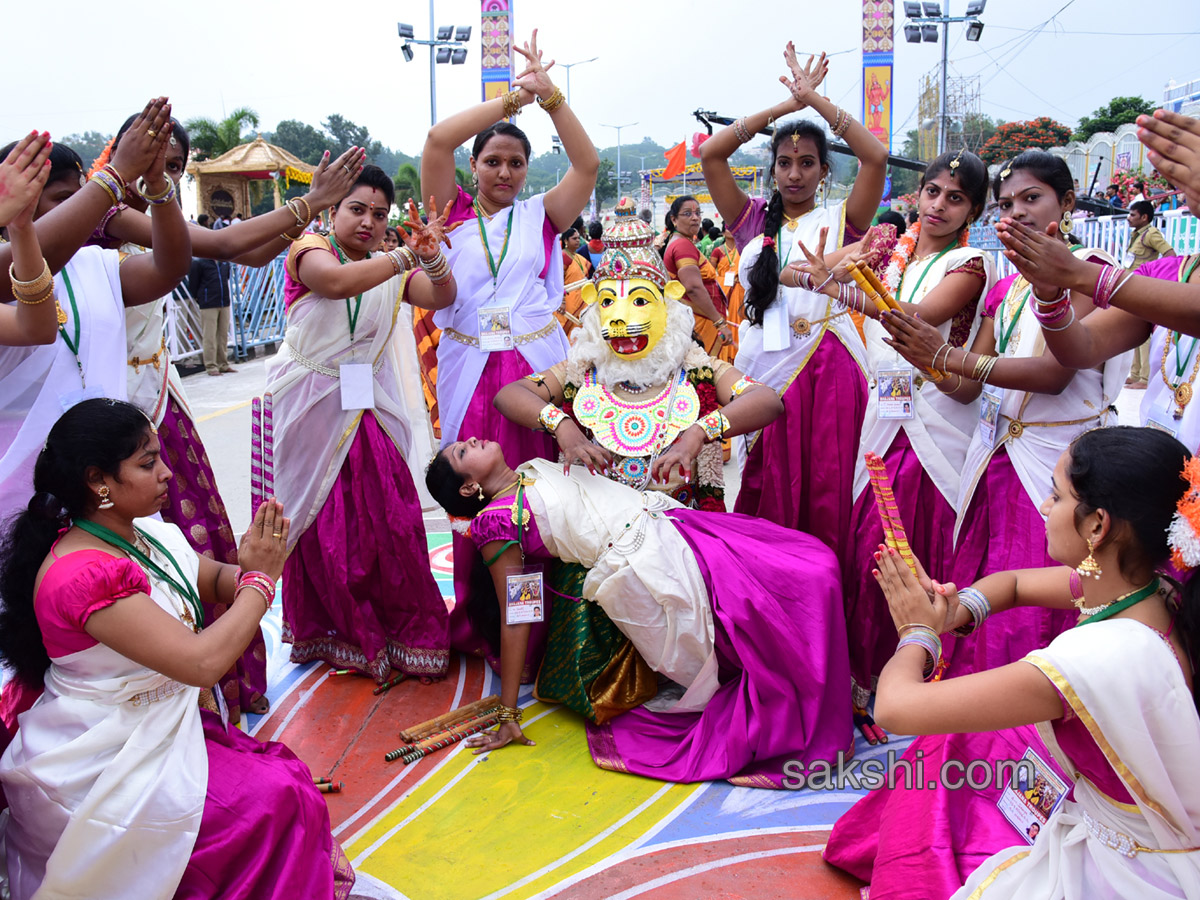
pixel 1067 225
pixel 1090 567
pixel 105 502
pixel 480 494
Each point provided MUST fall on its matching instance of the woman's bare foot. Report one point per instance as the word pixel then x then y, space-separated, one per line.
pixel 260 706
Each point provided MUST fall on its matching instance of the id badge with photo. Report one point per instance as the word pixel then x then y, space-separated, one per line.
pixel 358 386
pixel 495 328
pixel 1163 420
pixel 895 392
pixel 526 597
pixel 1033 793
pixel 989 414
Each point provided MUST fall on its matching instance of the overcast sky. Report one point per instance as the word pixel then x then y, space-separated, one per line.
pixel 304 60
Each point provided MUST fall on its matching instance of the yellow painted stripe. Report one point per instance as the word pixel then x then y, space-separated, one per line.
pixel 461 846
pixel 228 409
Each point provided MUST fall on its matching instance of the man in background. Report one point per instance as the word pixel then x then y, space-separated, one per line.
pixel 1145 243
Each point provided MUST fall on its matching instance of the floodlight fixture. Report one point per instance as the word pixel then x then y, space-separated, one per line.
pixel 458 57
pixel 408 52
pixel 912 9
pixel 406 30
pixel 443 55
pixel 444 32
pixel 929 34
pixel 975 7
pixel 974 30
pixel 934 10
pixel 462 33
pixel 912 34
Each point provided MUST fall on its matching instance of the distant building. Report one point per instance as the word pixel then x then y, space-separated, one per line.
pixel 1182 97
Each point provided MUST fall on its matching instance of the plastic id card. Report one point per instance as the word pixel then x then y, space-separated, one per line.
pixel 895 392
pixel 989 415
pixel 358 386
pixel 495 328
pixel 526 597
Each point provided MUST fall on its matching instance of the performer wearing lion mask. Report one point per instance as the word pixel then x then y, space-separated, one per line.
pixel 638 400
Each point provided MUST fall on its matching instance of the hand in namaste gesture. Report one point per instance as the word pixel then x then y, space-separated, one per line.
pixel 23 174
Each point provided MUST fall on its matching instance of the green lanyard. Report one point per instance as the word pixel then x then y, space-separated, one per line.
pixel 1122 604
pixel 182 586
pixel 72 345
pixel 352 316
pixel 1181 363
pixel 783 260
pixel 1005 336
pixel 924 272
pixel 493 266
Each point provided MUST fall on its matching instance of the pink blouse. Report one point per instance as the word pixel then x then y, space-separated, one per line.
pixel 74 587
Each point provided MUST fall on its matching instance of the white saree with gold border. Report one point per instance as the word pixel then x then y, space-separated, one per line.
pixel 1123 681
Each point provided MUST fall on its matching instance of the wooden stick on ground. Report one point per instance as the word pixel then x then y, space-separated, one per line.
pixel 414 733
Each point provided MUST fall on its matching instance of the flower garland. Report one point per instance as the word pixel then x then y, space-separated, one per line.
pixel 903 254
pixel 102 160
pixel 1184 531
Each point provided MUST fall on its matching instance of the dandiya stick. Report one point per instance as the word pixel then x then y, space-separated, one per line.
pixel 388 685
pixel 889 511
pixel 423 729
pixel 468 718
pixel 867 288
pixel 256 450
pixel 878 294
pixel 332 788
pixel 268 433
pixel 453 738
pixel 463 727
pixel 880 287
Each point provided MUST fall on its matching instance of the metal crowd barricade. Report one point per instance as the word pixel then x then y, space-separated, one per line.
pixel 258 311
pixel 184 335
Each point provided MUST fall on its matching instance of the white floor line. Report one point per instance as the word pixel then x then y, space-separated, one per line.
pixel 709 867
pixel 304 698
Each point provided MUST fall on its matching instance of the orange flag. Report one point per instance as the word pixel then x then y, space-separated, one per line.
pixel 676 160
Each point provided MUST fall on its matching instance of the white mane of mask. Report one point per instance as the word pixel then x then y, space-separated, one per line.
pixel 663 362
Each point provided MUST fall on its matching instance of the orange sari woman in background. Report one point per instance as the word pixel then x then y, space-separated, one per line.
pixel 687 265
pixel 727 259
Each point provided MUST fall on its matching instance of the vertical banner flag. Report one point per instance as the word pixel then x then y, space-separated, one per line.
pixel 878 21
pixel 495 33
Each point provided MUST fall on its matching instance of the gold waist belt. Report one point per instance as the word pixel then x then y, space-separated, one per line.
pixel 162 692
pixel 1016 427
pixel 326 370
pixel 471 341
pixel 803 326
pixel 1121 842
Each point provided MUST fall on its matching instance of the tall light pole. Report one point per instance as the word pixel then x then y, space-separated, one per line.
pixel 618 127
pixel 446 45
pixel 926 17
pixel 568 66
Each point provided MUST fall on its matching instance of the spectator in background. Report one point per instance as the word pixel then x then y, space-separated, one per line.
pixel 1140 195
pixel 391 239
pixel 706 240
pixel 208 282
pixel 893 218
pixel 595 244
pixel 204 221
pixel 1145 244
pixel 912 216
pixel 646 215
pixel 1113 196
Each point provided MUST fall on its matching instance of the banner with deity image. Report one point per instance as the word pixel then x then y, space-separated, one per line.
pixel 877 47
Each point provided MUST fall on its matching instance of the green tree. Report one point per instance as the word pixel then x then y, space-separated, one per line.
pixel 1118 111
pixel 88 145
pixel 977 130
pixel 606 181
pixel 211 138
pixel 346 134
pixel 1013 137
pixel 301 139
pixel 408 184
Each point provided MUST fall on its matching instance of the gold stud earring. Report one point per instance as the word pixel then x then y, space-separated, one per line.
pixel 105 501
pixel 1090 567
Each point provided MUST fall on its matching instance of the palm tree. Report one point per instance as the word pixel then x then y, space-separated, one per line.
pixel 408 184
pixel 210 138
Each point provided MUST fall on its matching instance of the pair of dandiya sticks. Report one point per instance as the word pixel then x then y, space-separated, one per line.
pixel 894 535
pixel 328 785
pixel 877 292
pixel 446 730
pixel 262 452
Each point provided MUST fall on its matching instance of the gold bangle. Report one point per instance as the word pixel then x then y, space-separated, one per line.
pixel 295 211
pixel 555 100
pixel 32 300
pixel 287 237
pixel 43 279
pixel 410 258
pixel 510 714
pixel 551 417
pixel 108 189
pixel 512 103
pixel 307 209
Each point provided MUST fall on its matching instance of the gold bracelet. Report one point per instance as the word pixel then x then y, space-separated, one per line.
pixel 34 299
pixel 551 417
pixel 510 714
pixel 512 103
pixel 555 100
pixel 287 237
pixel 307 209
pixel 295 211
pixel 108 189
pixel 35 285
